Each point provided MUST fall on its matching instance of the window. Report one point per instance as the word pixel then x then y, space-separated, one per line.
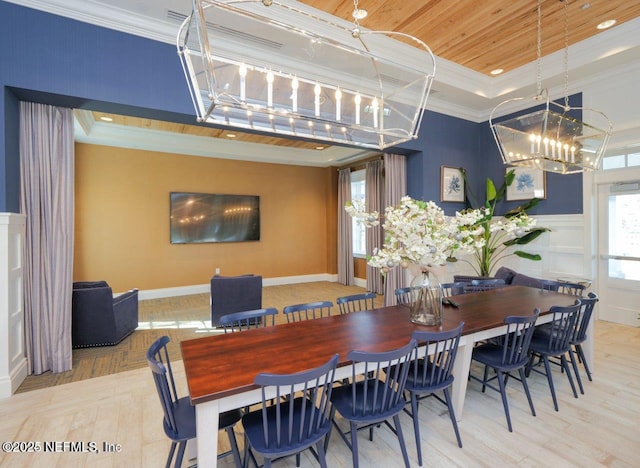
pixel 359 231
pixel 624 236
pixel 622 158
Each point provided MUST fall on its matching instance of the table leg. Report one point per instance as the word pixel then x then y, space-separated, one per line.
pixel 461 373
pixel 207 420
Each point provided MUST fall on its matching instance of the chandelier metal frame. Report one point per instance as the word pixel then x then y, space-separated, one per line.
pixel 555 138
pixel 280 67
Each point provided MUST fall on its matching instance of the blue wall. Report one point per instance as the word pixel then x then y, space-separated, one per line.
pixel 443 140
pixel 54 60
pixel 450 141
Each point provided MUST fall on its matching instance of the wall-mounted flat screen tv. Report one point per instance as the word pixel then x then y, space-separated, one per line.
pixel 202 217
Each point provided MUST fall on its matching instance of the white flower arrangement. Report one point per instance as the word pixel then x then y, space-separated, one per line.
pixel 418 232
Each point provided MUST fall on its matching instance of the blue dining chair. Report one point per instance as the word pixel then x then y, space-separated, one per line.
pixel 376 396
pixel 246 320
pixel 356 302
pixel 574 289
pixel 432 374
pixel 484 285
pixel 452 289
pixel 563 287
pixel 179 414
pixel 403 296
pixel 285 425
pixel 549 285
pixel 308 311
pixel 554 341
pixel 507 355
pixel 580 336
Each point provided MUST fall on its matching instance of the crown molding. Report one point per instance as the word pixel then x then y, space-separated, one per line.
pixel 94 132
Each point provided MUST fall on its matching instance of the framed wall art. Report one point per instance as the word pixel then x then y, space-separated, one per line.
pixel 451 184
pixel 528 183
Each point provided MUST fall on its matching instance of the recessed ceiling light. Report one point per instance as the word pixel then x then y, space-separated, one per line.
pixel 585 6
pixel 497 71
pixel 360 13
pixel 231 135
pixel 606 24
pixel 106 119
pixel 319 147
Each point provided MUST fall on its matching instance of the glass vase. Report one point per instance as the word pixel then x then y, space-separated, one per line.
pixel 426 299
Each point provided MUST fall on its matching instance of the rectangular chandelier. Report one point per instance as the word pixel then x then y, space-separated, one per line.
pixel 552 140
pixel 283 68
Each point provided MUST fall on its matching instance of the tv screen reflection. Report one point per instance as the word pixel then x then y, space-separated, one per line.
pixel 201 218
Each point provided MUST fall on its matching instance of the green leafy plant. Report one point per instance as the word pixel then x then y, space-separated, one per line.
pixel 498 235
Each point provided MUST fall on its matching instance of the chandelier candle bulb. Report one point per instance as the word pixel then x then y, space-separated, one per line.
pixel 374 108
pixel 317 90
pixel 338 104
pixel 242 71
pixel 294 95
pixel 270 90
pixel 357 101
pixel 532 139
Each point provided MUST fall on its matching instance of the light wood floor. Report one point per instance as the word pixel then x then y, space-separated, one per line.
pixel 180 318
pixel 601 428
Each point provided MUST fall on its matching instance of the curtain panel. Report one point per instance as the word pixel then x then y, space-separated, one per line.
pixel 374 183
pixel 47 200
pixel 345 243
pixel 395 187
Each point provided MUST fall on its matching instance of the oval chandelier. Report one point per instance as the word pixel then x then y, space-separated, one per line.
pixel 556 138
pixel 281 67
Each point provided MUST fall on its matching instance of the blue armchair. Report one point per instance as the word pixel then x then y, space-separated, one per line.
pixel 230 294
pixel 99 319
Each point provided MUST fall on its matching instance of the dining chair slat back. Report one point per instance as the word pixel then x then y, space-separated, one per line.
pixel 506 355
pixel 580 336
pixel 574 289
pixel 484 285
pixel 179 414
pixel 433 373
pixel 452 289
pixel 375 394
pixel 287 424
pixel 554 341
pixel 308 311
pixel 403 296
pixel 246 320
pixel 356 302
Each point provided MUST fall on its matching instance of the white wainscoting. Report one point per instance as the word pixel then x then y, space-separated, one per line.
pixel 13 362
pixel 563 250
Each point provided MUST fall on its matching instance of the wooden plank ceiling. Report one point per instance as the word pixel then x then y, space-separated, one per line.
pixel 486 34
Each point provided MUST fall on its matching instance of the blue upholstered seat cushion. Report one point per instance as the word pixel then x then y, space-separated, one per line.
pixel 506 274
pixel 524 280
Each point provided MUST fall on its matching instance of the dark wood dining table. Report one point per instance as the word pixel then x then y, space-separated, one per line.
pixel 220 369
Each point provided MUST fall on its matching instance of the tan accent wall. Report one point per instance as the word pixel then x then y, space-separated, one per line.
pixel 360 268
pixel 122 218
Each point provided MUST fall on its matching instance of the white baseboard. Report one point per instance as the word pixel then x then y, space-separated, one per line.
pixel 204 288
pixel 9 384
pixel 360 282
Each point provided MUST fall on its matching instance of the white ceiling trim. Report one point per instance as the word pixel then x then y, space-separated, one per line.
pixel 90 131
